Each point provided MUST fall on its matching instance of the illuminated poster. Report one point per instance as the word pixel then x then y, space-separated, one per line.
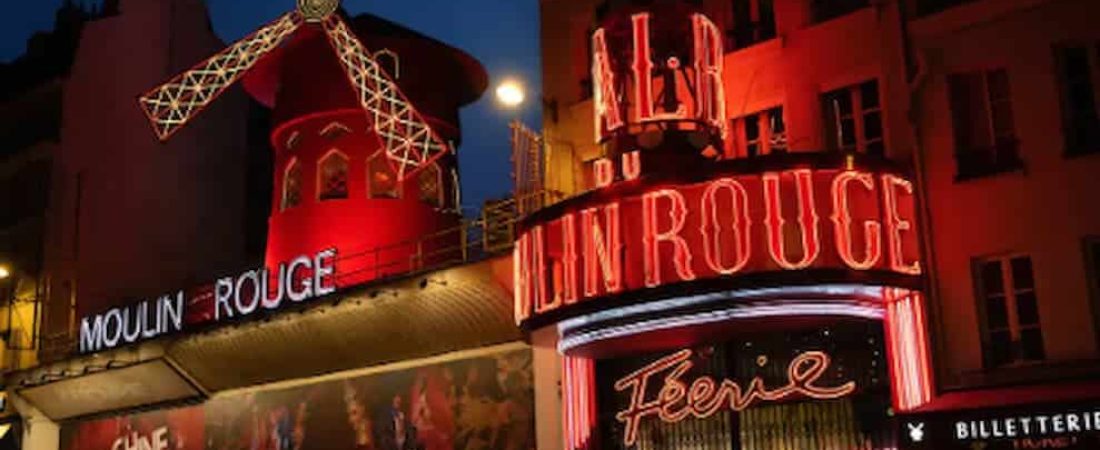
pixel 815 388
pixel 176 429
pixel 477 403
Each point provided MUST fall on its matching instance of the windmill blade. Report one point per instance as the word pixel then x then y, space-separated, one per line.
pixel 173 104
pixel 409 142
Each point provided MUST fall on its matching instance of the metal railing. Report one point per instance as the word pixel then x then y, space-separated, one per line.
pixel 490 234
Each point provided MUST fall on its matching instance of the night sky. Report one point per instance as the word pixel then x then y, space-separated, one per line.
pixel 502 34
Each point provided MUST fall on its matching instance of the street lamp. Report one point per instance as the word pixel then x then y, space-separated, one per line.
pixel 4 272
pixel 510 93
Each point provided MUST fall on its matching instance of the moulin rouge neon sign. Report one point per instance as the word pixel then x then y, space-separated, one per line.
pixel 792 220
pixel 704 396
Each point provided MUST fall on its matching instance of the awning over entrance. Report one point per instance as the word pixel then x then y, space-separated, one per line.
pixel 433 313
pixel 116 380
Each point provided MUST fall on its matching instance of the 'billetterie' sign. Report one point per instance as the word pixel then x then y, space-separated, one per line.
pixel 233 297
pixel 658 234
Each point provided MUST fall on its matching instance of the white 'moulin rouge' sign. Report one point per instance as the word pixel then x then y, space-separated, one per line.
pixel 302 279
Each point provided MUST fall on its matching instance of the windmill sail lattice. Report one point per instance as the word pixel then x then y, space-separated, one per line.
pixel 408 140
pixel 173 104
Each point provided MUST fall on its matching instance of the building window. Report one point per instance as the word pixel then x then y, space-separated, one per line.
pixel 333 176
pixel 830 9
pixel 753 21
pixel 335 130
pixel 981 113
pixel 760 133
pixel 382 179
pixel 293 140
pixel 389 62
pixel 1010 311
pixel 853 119
pixel 292 186
pixel 430 181
pixel 1077 67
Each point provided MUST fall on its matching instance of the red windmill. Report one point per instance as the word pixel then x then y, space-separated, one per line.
pixel 378 191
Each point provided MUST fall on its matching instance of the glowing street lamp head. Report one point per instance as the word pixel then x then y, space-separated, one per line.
pixel 4 272
pixel 317 10
pixel 510 93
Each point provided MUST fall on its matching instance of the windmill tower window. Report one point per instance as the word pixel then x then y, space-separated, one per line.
pixel 332 176
pixel 381 178
pixel 430 181
pixel 292 186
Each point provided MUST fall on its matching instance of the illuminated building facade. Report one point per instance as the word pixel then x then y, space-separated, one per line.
pixel 746 224
pixel 771 224
pixel 369 315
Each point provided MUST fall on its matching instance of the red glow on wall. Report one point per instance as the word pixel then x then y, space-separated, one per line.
pixel 907 348
pixel 706 230
pixel 579 402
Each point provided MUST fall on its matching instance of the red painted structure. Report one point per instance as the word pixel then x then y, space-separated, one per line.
pixel 377 224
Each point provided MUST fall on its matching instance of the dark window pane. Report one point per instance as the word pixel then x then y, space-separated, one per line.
pixel 868 93
pixel 970 117
pixel 1075 63
pixel 876 148
pixel 842 102
pixel 997 81
pixel 1079 116
pixel 829 9
pixel 752 150
pixel 1000 348
pixel 991 278
pixel 776 117
pixel 847 133
pixel 1021 273
pixel 752 128
pixel 1031 344
pixel 1095 247
pixel 1002 119
pixel 996 313
pixel 1027 309
pixel 872 126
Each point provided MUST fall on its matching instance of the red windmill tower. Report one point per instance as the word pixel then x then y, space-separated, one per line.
pixel 358 167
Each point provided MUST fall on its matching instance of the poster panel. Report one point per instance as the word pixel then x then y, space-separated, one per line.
pixel 484 402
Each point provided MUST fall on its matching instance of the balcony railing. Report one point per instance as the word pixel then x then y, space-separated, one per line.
pixel 490 234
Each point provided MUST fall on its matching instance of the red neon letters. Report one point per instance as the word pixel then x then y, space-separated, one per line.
pixel 705 396
pixel 606 105
pixel 807 220
pixel 602 245
pixel 653 237
pixel 717 228
pixel 842 220
pixel 632 89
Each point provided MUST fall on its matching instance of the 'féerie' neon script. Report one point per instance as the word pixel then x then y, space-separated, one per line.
pixel 704 396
